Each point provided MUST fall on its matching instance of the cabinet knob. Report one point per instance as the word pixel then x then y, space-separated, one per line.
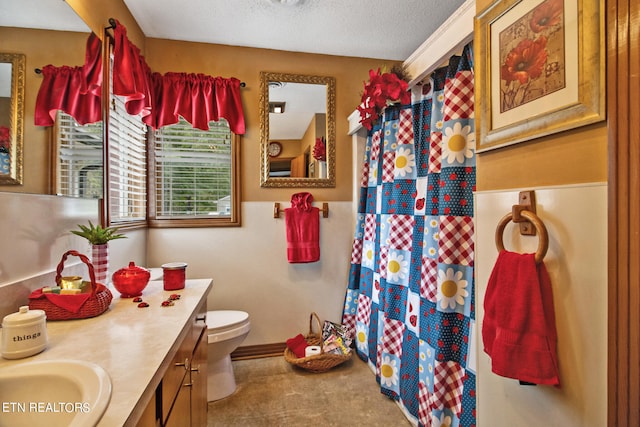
pixel 185 364
pixel 201 318
pixel 196 369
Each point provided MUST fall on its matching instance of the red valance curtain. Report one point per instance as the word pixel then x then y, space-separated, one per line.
pixel 75 90
pixel 199 99
pixel 131 74
pixel 161 99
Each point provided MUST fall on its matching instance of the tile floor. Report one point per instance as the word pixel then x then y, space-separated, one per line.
pixel 271 392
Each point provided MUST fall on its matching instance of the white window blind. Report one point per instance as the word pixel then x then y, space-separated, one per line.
pixel 193 171
pixel 78 165
pixel 127 165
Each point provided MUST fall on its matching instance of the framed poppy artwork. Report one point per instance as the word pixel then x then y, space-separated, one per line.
pixel 540 69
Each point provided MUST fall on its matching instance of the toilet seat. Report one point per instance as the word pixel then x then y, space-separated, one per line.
pixel 225 324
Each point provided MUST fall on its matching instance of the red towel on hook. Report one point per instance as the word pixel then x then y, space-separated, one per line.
pixel 518 330
pixel 302 222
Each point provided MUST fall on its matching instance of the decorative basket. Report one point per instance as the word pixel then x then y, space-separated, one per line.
pixel 318 362
pixel 68 307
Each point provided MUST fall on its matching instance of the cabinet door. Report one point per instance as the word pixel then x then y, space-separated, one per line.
pixel 199 382
pixel 180 415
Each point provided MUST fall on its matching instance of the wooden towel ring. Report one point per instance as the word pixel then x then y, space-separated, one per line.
pixel 543 242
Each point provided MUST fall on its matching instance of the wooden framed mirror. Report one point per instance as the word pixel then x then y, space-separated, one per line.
pixel 297 130
pixel 12 78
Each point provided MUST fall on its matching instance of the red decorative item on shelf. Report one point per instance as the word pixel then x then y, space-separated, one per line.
pixel 174 275
pixel 131 281
pixel 67 307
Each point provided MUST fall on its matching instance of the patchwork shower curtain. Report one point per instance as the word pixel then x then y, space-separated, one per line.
pixel 410 298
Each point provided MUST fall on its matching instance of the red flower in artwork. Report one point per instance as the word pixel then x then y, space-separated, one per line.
pixel 383 89
pixel 546 15
pixel 526 61
pixel 5 137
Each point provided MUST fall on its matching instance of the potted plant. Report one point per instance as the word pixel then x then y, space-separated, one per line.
pixel 99 238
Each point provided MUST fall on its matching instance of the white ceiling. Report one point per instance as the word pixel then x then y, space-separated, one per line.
pixel 382 29
pixel 385 29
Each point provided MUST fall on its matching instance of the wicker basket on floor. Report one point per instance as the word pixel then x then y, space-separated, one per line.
pixel 319 362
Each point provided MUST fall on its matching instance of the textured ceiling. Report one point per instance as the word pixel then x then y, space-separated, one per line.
pixel 385 29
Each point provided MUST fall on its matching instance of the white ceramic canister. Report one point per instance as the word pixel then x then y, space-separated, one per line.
pixel 24 333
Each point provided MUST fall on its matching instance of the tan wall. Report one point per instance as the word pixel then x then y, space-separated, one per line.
pixel 246 64
pixel 40 47
pixel 578 156
pixel 96 14
pixel 568 172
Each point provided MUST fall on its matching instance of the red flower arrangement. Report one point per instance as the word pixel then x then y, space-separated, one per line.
pixel 320 150
pixel 5 137
pixel 383 89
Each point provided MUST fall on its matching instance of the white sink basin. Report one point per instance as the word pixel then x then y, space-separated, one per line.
pixel 53 393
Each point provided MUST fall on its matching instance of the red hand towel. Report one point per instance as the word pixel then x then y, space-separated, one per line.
pixel 72 303
pixel 302 222
pixel 297 345
pixel 518 330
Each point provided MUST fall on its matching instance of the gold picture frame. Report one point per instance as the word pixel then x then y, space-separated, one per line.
pixel 540 69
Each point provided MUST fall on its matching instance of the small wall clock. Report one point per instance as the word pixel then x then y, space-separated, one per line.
pixel 274 149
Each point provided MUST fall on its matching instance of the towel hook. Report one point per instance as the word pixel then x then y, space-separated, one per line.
pixel 543 242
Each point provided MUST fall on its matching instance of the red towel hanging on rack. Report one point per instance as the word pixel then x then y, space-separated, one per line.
pixel 302 222
pixel 518 329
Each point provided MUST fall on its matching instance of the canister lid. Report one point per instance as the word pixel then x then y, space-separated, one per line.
pixel 174 266
pixel 23 317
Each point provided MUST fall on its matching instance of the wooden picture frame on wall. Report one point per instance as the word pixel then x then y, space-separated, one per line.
pixel 540 69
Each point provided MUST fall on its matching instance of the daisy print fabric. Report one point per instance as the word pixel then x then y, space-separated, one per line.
pixel 410 296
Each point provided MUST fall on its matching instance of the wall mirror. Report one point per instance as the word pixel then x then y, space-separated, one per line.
pixel 297 130
pixel 55 35
pixel 12 69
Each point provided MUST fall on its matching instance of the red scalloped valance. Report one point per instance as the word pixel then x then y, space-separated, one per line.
pixel 75 90
pixel 198 98
pixel 160 99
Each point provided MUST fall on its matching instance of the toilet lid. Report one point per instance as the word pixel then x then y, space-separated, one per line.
pixel 219 320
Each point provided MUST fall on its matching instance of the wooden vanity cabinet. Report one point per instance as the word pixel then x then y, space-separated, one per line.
pixel 186 401
pixel 181 397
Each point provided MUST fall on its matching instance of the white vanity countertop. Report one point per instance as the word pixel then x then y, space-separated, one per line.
pixel 134 345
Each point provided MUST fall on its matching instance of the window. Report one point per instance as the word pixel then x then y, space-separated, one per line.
pixel 77 170
pixel 194 176
pixel 127 177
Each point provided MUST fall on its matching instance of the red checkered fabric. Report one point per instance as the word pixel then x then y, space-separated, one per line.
pixel 435 152
pixel 388 166
pixel 456 240
pixel 459 102
pixel 363 314
pixel 429 279
pixel 391 341
pixel 401 231
pixel 349 320
pixel 424 412
pixel 405 127
pixel 382 265
pixel 448 383
pixel 364 181
pixel 356 251
pixel 370 227
pixel 375 145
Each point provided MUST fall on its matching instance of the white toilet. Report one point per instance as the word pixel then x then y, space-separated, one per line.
pixel 227 329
